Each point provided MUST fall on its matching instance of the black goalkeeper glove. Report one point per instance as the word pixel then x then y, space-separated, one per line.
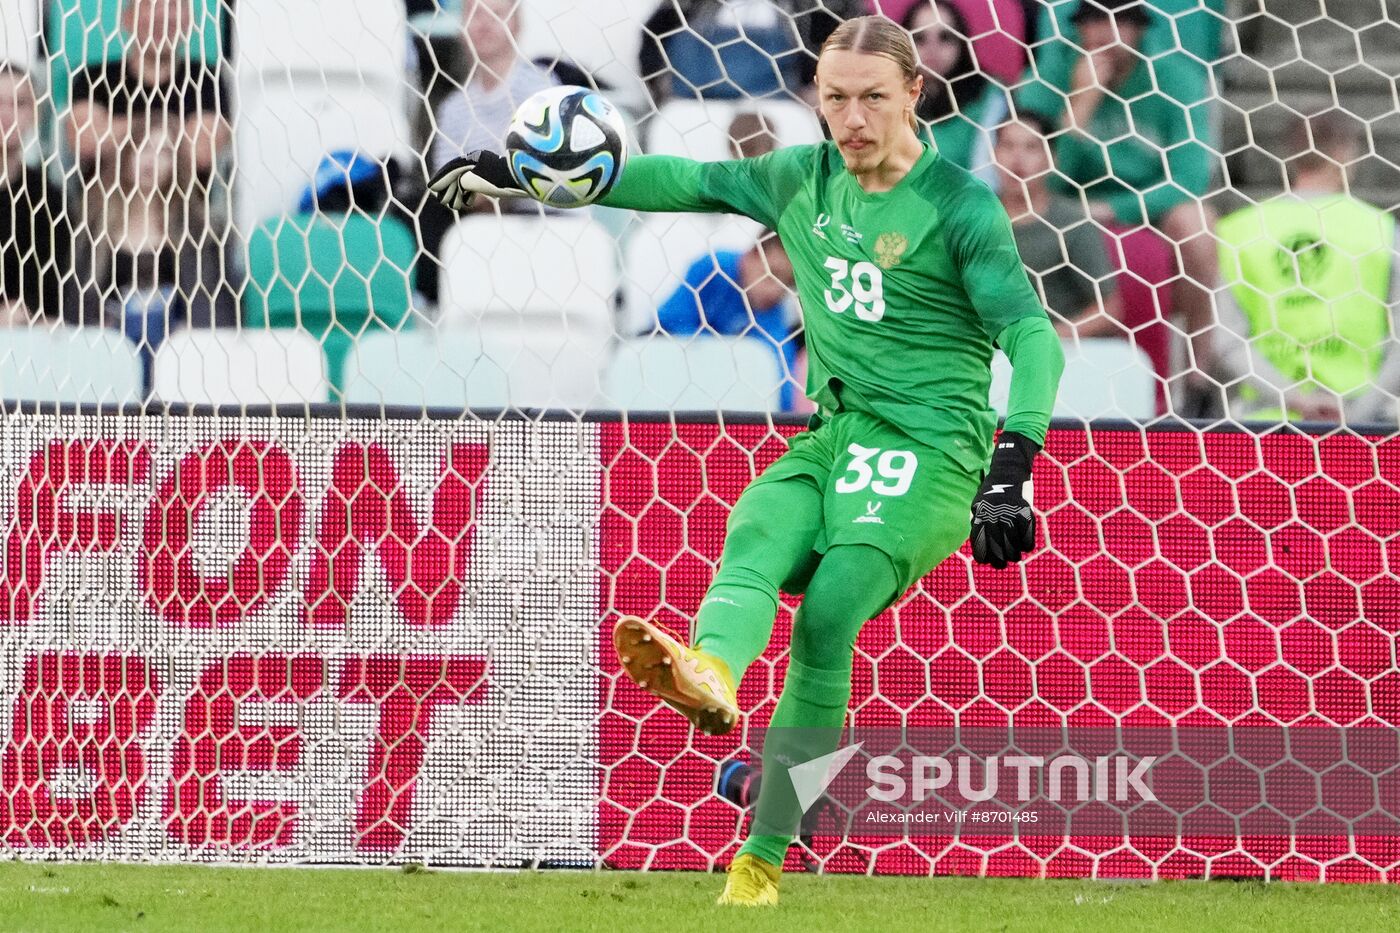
pixel 1003 524
pixel 458 182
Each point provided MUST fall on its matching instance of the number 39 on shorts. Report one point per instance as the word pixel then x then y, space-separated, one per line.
pixel 885 472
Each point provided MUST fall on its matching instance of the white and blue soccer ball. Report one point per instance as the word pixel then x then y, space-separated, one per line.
pixel 567 146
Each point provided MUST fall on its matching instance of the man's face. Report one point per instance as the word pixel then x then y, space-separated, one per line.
pixel 1116 45
pixel 158 24
pixel 16 109
pixel 153 161
pixel 866 103
pixel 1021 153
pixel 490 26
pixel 937 46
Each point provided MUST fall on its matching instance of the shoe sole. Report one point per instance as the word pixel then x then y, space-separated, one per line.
pixel 655 662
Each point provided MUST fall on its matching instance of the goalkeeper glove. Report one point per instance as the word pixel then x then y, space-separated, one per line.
pixel 1003 524
pixel 458 182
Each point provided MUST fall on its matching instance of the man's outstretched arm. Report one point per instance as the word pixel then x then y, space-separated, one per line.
pixel 648 183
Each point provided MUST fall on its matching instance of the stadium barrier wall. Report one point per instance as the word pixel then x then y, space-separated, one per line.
pixel 350 636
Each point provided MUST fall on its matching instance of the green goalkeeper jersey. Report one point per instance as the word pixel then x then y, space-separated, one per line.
pixel 903 292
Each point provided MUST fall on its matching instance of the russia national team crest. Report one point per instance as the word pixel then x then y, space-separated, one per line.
pixel 889 249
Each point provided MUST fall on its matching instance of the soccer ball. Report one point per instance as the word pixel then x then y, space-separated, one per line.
pixel 566 146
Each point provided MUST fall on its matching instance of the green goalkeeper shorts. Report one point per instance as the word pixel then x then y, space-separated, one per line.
pixel 883 489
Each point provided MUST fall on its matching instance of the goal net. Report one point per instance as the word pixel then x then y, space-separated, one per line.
pixel 318 503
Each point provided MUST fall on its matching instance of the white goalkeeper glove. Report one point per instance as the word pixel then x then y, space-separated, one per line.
pixel 458 182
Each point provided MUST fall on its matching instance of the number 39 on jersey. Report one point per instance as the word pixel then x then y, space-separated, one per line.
pixel 861 285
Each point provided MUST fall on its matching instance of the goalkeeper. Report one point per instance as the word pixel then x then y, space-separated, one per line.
pixel 908 276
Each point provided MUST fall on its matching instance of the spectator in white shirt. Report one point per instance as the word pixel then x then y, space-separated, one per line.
pixel 498 79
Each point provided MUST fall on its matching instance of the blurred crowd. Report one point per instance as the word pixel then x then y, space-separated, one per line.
pixel 1095 121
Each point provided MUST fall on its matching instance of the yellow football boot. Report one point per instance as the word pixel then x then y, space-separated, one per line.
pixel 695 684
pixel 751 882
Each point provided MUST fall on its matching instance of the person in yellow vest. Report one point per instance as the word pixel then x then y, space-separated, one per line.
pixel 1313 275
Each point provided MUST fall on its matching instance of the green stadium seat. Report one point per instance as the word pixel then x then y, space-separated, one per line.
pixel 84 31
pixel 336 276
pixel 1188 32
pixel 1195 27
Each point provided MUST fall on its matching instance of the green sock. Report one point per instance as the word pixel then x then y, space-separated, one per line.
pixel 807 724
pixel 770 535
pixel 734 624
pixel 811 712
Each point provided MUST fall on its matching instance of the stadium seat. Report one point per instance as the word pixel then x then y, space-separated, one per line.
pixel 318 37
pixel 540 295
pixel 281 134
pixel 1192 30
pixel 334 275
pixel 314 77
pixel 19 30
pixel 699 129
pixel 83 31
pixel 240 367
pixel 1104 378
pixel 425 369
pixel 68 364
pixel 560 270
pixel 706 373
pixel 660 251
pixel 998 32
pixel 602 37
pixel 470 368
pixel 544 369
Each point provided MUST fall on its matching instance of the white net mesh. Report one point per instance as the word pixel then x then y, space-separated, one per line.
pixel 367 631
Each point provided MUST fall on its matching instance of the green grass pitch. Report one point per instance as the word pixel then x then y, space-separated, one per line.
pixel 42 897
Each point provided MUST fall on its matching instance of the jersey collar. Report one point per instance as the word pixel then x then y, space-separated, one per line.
pixel 921 165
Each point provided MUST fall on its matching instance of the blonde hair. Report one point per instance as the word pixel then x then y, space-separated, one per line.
pixel 877 35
